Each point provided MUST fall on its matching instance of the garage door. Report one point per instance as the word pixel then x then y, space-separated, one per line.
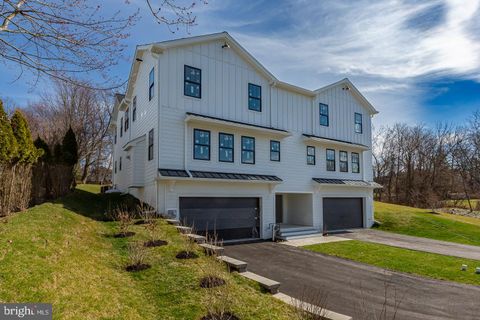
pixel 230 218
pixel 342 213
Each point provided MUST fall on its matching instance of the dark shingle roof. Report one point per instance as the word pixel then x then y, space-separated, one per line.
pixel 173 173
pixel 348 182
pixel 334 140
pixel 233 176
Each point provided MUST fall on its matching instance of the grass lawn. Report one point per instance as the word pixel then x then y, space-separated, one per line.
pixel 463 203
pixel 421 263
pixel 424 223
pixel 62 253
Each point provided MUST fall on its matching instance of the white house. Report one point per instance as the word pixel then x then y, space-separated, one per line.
pixel 205 133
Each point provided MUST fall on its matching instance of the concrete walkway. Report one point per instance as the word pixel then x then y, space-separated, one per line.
pixel 414 243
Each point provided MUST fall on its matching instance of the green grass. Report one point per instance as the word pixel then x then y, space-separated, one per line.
pixel 62 253
pixel 424 223
pixel 463 203
pixel 420 263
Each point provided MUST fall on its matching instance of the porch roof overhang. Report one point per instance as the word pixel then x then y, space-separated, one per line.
pixel 337 142
pixel 347 183
pixel 131 143
pixel 200 118
pixel 194 175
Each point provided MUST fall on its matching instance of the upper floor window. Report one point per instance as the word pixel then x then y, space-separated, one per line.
pixel 311 155
pixel 115 137
pixel 330 160
pixel 358 123
pixel 225 147
pixel 127 120
pixel 150 145
pixel 134 109
pixel 193 82
pixel 254 97
pixel 201 144
pixel 355 162
pixel 120 164
pixel 151 84
pixel 115 166
pixel 324 121
pixel 274 150
pixel 248 150
pixel 121 127
pixel 343 161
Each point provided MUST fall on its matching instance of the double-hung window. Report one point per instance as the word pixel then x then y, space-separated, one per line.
pixel 311 155
pixel 358 123
pixel 355 162
pixel 134 109
pixel 225 147
pixel 115 166
pixel 115 137
pixel 120 164
pixel 274 150
pixel 151 84
pixel 150 145
pixel 127 119
pixel 248 150
pixel 343 161
pixel 324 120
pixel 192 82
pixel 121 127
pixel 201 144
pixel 254 97
pixel 330 160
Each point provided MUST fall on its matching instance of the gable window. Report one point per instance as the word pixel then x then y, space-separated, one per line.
pixel 355 162
pixel 248 150
pixel 150 145
pixel 193 82
pixel 115 166
pixel 134 109
pixel 274 150
pixel 311 155
pixel 151 84
pixel 121 127
pixel 343 161
pixel 127 113
pixel 358 123
pixel 201 144
pixel 330 160
pixel 120 164
pixel 225 147
pixel 324 120
pixel 254 97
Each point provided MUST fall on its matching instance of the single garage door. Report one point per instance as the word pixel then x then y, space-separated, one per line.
pixel 342 213
pixel 230 218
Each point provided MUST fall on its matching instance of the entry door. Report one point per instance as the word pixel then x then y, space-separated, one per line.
pixel 278 208
pixel 342 213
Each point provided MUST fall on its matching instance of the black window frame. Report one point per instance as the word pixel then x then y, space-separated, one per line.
pixel 120 164
pixel 247 150
pixel 127 119
pixel 134 109
pixel 254 97
pixel 326 115
pixel 151 141
pixel 151 84
pixel 201 144
pixel 185 81
pixel 359 123
pixel 355 162
pixel 220 148
pixel 115 137
pixel 121 127
pixel 275 151
pixel 345 163
pixel 115 166
pixel 309 156
pixel 327 160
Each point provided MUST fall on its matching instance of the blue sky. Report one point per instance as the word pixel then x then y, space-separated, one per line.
pixel 416 61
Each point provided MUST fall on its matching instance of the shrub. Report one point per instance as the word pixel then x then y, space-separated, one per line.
pixel 125 220
pixel 40 144
pixel 27 152
pixel 70 148
pixel 8 145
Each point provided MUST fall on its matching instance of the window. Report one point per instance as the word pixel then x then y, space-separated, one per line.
pixel 120 164
pixel 274 150
pixel 150 145
pixel 126 119
pixel 201 144
pixel 121 127
pixel 134 109
pixel 248 150
pixel 225 147
pixel 254 97
pixel 193 82
pixel 311 155
pixel 343 161
pixel 115 137
pixel 330 160
pixel 355 162
pixel 358 123
pixel 115 166
pixel 324 121
pixel 151 84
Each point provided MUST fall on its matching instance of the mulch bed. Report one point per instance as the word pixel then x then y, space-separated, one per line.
pixel 155 243
pixel 186 255
pixel 225 316
pixel 124 234
pixel 138 267
pixel 211 282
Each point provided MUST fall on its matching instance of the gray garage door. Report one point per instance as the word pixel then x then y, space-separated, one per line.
pixel 342 213
pixel 230 218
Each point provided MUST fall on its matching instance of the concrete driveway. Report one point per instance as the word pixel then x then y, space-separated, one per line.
pixel 414 243
pixel 354 287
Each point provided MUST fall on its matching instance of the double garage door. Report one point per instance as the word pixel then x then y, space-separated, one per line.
pixel 228 217
pixel 342 213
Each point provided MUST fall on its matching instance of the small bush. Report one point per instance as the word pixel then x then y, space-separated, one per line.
pixel 125 221
pixel 137 255
pixel 311 305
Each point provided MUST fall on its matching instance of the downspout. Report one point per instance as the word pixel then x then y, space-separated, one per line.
pixel 185 129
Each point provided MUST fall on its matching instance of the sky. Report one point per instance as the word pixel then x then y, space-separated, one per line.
pixel 415 61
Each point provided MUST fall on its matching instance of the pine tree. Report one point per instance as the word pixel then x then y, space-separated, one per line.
pixel 40 144
pixel 8 143
pixel 70 148
pixel 27 152
pixel 57 153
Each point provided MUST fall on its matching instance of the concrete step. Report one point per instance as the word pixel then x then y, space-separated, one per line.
pixel 296 228
pixel 195 237
pixel 234 264
pixel 173 221
pixel 268 284
pixel 211 249
pixel 297 235
pixel 183 229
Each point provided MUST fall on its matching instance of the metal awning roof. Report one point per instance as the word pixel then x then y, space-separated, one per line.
pixel 173 173
pixel 347 182
pixel 180 174
pixel 335 141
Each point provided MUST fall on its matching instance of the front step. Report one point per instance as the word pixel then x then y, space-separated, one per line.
pixel 298 234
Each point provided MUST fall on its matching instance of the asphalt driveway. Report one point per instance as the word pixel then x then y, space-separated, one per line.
pixel 357 289
pixel 414 243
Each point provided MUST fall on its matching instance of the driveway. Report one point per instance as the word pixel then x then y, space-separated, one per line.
pixel 414 243
pixel 351 285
